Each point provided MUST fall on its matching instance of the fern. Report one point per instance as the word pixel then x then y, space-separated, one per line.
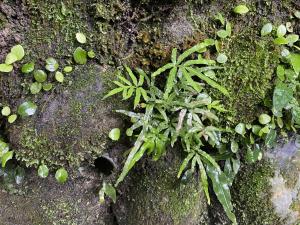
pixel 180 112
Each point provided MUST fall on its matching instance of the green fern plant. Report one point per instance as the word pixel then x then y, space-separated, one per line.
pixel 180 112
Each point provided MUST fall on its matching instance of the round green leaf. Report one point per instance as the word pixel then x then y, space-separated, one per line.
pixel 285 52
pixel 61 175
pixel 6 157
pixel 240 129
pixel 266 29
pixel 12 118
pixel 91 54
pixel 47 86
pixel 241 9
pixel 281 31
pixel 51 64
pixel 281 41
pixel 81 38
pixel 280 71
pixel 43 171
pixel 5 111
pixel 27 109
pixel 28 67
pixel 297 14
pixel 292 38
pixel 10 58
pixel 40 76
pixel 59 77
pixel 6 68
pixel 222 34
pixel 80 56
pixel 234 146
pixel 18 51
pixel 68 69
pixel 264 119
pixel 115 134
pixel 222 58
pixel 3 148
pixel 35 88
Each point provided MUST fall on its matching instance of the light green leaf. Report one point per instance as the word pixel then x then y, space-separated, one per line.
pixel 68 69
pixel 222 58
pixel 281 41
pixel 5 111
pixel 271 138
pixel 47 86
pixel 240 129
pixel 295 62
pixel 281 31
pixel 40 76
pixel 10 58
pixel 12 118
pixel 80 56
pixel 266 29
pixel 162 69
pixel 264 119
pixel 43 171
pixel 109 190
pixel 222 34
pixel 115 134
pixel 292 38
pixel 220 17
pixel 174 56
pixel 59 77
pixel 282 96
pixel 241 9
pixel 80 37
pixel 6 68
pixel 27 108
pixel 28 67
pixel 6 157
pixel 234 146
pixel 280 71
pixel 35 88
pixel 51 64
pixel 192 50
pixel 91 54
pixel 61 175
pixel 18 51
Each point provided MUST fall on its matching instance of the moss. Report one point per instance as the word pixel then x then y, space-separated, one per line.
pixel 247 74
pixel 72 124
pixel 251 196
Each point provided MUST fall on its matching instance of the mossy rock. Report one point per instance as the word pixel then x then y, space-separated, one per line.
pixel 71 124
pixel 153 195
pixel 268 193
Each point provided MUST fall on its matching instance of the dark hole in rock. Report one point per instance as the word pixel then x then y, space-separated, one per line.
pixel 104 165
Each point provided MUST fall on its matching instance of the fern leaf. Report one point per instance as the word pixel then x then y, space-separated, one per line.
pixel 185 163
pixel 162 69
pixel 190 51
pixel 137 97
pixel 129 93
pixel 125 80
pixel 200 61
pixel 204 180
pixel 113 92
pixel 208 81
pixel 170 82
pixel 132 158
pixel 174 55
pixel 189 80
pixel 221 189
pixel 144 94
pixel 132 76
pixel 209 159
